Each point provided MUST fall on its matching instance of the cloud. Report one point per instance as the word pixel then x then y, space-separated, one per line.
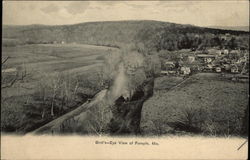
pixel 176 4
pixel 110 3
pixel 95 7
pixel 77 7
pixel 137 6
pixel 201 13
pixel 50 8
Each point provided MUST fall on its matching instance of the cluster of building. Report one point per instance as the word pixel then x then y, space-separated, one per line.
pixel 213 60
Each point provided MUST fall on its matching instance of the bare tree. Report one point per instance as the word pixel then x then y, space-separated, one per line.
pixel 100 77
pixel 5 60
pixel 43 93
pixel 101 117
pixel 76 86
pixel 55 83
pixel 7 80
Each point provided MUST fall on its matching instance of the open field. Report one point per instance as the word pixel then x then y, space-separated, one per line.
pixel 205 103
pixel 72 67
pixel 49 59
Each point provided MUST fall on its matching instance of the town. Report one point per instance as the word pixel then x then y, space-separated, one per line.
pixel 233 63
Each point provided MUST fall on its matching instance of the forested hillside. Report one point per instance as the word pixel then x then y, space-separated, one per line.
pixel 154 34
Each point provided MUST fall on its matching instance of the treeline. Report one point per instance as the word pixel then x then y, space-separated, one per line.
pixel 156 35
pixel 175 38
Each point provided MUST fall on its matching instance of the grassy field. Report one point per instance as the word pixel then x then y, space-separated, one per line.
pixel 72 65
pixel 206 103
pixel 50 59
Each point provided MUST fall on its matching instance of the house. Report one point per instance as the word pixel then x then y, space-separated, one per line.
pixel 197 36
pixel 234 69
pixel 164 72
pixel 218 69
pixel 210 66
pixel 208 58
pixel 216 51
pixel 224 52
pixel 191 59
pixel 226 67
pixel 185 70
pixel 172 72
pixel 212 51
pixel 241 60
pixel 168 72
pixel 226 36
pixel 219 52
pixel 245 68
pixel 234 52
pixel 169 65
pixel 246 56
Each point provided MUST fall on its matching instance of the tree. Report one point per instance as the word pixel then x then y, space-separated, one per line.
pixel 232 44
pixel 55 86
pixel 8 80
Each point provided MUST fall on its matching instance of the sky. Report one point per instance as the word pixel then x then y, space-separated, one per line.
pixel 200 13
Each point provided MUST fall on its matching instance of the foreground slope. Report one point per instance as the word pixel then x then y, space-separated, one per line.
pixel 205 103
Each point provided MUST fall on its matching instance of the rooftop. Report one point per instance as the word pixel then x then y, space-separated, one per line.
pixel 206 55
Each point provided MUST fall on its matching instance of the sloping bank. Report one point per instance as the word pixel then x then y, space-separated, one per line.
pixel 104 114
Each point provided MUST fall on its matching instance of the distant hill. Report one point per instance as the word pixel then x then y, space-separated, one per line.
pixel 92 32
pixel 235 28
pixel 106 33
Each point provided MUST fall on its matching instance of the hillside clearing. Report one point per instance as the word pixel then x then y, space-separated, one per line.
pixel 204 104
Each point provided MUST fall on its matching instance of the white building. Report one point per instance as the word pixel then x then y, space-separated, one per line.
pixel 185 70
pixel 191 59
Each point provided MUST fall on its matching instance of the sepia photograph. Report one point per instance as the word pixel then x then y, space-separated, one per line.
pixel 142 73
